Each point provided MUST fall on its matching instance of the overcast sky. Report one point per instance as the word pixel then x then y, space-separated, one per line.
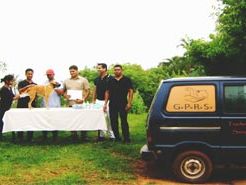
pixel 44 34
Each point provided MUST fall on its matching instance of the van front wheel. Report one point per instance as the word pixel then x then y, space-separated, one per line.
pixel 192 166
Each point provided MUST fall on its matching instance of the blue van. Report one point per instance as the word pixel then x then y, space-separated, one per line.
pixel 195 124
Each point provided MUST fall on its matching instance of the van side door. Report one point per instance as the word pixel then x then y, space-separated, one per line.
pixel 233 94
pixel 191 114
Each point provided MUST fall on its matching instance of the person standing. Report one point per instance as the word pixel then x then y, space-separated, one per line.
pixel 6 98
pixel 54 100
pixel 101 83
pixel 76 82
pixel 23 102
pixel 119 93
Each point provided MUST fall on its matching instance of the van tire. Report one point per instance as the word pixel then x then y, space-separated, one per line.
pixel 192 166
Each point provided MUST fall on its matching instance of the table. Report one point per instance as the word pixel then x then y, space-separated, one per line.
pixel 61 119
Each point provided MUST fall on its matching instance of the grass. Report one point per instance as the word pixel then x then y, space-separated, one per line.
pixel 65 162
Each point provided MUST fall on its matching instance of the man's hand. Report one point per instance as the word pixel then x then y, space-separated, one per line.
pixel 105 108
pixel 67 96
pixel 128 107
pixel 16 97
pixel 25 88
pixel 59 91
pixel 31 85
pixel 78 101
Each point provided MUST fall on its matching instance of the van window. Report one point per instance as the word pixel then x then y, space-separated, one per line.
pixel 192 98
pixel 235 99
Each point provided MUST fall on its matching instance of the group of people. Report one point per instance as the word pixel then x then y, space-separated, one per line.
pixel 113 92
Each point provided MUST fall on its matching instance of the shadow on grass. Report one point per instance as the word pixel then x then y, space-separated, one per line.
pixel 64 138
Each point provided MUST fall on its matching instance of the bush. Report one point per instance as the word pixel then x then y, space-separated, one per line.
pixel 138 106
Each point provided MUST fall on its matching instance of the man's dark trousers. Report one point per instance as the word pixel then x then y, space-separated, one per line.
pixel 114 111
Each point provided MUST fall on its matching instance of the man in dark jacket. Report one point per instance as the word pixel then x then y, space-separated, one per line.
pixel 119 93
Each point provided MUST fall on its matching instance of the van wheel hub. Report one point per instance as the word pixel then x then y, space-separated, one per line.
pixel 192 168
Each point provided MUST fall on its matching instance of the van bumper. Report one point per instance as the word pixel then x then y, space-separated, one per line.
pixel 147 154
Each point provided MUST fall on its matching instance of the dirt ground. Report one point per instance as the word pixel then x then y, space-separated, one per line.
pixel 151 173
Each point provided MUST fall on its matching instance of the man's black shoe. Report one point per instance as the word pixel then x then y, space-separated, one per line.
pixel 29 139
pixel 117 139
pixel 84 139
pixel 127 141
pixel 100 139
pixel 44 138
pixel 74 138
pixel 54 139
pixel 112 139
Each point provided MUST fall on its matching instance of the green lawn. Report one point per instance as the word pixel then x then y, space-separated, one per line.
pixel 65 162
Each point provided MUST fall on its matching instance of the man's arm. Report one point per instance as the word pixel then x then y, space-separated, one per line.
pixel 94 95
pixel 130 98
pixel 106 98
pixel 86 94
pixel 65 95
pixel 16 97
pixel 59 91
pixel 21 90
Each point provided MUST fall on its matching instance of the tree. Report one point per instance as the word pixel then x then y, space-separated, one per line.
pixel 3 66
pixel 90 74
pixel 225 53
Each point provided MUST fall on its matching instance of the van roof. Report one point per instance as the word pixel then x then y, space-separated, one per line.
pixel 206 78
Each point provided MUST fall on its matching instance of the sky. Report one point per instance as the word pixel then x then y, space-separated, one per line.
pixel 43 34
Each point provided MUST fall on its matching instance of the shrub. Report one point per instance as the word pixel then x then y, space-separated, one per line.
pixel 138 106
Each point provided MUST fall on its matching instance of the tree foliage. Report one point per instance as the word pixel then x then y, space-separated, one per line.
pixel 225 53
pixel 89 73
pixel 138 106
pixel 3 67
pixel 145 82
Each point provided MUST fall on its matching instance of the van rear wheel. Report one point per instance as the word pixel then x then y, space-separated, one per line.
pixel 192 166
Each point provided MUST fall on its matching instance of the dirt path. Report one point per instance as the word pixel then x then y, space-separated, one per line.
pixel 150 173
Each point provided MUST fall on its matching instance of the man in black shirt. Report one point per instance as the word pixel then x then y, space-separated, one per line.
pixel 101 83
pixel 23 102
pixel 120 94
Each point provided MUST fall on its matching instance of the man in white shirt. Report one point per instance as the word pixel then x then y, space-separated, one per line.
pixel 54 100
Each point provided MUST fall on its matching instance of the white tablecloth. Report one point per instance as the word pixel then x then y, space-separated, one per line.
pixel 39 119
